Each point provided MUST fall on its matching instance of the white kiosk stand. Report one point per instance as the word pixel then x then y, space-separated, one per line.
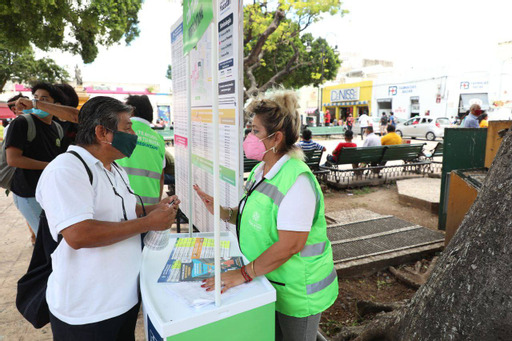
pixel 250 313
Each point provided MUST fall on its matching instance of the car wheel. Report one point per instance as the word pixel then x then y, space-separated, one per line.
pixel 430 136
pixel 399 133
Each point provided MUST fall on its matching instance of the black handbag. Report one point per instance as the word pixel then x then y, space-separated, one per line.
pixel 31 294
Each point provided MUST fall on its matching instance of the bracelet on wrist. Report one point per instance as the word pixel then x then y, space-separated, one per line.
pixel 245 275
pixel 230 214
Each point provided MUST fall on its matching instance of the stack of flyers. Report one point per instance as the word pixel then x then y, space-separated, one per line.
pixel 196 269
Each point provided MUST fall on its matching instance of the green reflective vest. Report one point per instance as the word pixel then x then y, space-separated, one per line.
pixel 144 166
pixel 307 283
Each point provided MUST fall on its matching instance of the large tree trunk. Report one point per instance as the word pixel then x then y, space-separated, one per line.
pixel 469 294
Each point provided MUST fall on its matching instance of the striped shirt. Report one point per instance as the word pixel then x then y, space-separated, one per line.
pixel 310 145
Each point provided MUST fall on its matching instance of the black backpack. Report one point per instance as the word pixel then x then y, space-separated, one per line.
pixel 31 294
pixel 383 120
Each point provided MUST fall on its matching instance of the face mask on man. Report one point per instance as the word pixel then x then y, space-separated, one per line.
pixel 124 142
pixel 38 112
pixel 254 148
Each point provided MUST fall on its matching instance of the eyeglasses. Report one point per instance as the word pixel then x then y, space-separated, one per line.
pixel 129 191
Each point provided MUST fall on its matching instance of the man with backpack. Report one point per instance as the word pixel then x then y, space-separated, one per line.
pixel 33 140
pixel 383 124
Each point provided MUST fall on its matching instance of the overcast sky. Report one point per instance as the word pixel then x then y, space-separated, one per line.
pixel 453 33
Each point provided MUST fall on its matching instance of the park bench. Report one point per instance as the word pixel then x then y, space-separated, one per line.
pixel 312 159
pixel 327 131
pixel 167 134
pixel 404 152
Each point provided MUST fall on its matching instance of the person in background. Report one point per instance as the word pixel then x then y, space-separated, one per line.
pixel 364 122
pixel 145 166
pixel 307 144
pixel 340 122
pixel 70 128
pixel 471 120
pixel 93 289
pixel 281 222
pixel 31 157
pixel 483 120
pixel 12 106
pixel 392 119
pixel 169 169
pixel 327 118
pixel 350 121
pixel 391 137
pixel 371 139
pixel 383 124
pixel 349 135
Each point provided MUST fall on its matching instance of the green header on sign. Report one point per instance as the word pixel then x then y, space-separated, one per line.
pixel 197 15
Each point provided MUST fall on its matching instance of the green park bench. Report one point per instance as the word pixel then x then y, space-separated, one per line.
pixel 379 154
pixel 312 160
pixel 167 134
pixel 353 155
pixel 327 131
pixel 404 152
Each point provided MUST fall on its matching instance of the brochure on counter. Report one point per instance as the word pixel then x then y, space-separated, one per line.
pixel 192 259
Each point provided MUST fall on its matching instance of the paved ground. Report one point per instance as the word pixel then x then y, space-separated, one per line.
pixel 15 252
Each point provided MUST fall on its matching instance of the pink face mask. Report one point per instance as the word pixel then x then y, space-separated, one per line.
pixel 254 148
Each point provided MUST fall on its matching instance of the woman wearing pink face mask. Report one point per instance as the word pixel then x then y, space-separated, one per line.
pixel 280 222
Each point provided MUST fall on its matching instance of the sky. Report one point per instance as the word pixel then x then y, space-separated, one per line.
pixel 458 34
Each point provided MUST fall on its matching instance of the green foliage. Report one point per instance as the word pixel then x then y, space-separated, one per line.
pixel 21 66
pixel 77 26
pixel 168 74
pixel 275 46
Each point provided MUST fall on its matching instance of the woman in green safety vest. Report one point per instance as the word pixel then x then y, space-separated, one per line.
pixel 280 222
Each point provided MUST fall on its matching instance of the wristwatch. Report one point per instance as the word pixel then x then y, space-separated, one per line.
pixel 34 103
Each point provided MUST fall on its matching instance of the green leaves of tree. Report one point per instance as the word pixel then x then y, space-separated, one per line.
pixel 77 26
pixel 275 46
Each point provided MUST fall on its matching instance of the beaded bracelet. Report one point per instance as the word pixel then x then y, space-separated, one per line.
pixel 245 274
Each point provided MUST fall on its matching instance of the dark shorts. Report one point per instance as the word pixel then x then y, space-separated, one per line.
pixel 121 328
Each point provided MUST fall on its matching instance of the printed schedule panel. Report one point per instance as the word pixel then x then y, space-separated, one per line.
pixel 200 138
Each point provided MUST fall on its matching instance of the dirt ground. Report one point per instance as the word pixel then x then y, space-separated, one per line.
pixel 382 200
pixel 381 287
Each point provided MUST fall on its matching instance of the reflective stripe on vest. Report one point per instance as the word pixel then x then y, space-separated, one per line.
pixel 149 200
pixel 271 191
pixel 324 283
pixel 143 172
pixel 313 250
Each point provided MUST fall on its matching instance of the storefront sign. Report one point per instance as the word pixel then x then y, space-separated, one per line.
pixel 341 95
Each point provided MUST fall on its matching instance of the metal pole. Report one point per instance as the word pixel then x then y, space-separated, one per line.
pixel 189 149
pixel 216 159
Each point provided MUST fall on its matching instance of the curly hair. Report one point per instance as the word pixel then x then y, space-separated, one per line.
pixel 278 112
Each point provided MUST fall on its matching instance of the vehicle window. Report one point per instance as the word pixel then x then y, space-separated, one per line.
pixel 430 120
pixel 408 122
pixel 443 121
pixel 423 120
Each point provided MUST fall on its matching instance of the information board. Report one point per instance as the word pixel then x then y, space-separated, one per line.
pixel 200 139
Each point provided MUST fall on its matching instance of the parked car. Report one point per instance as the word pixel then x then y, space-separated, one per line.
pixel 375 121
pixel 423 126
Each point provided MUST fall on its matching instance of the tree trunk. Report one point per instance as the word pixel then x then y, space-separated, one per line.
pixel 469 294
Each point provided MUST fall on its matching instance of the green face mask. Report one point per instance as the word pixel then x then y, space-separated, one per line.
pixel 124 142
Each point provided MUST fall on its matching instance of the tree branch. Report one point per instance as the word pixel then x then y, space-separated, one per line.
pixel 254 54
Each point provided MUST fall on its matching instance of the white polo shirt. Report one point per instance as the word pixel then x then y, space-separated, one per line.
pixel 90 284
pixel 297 209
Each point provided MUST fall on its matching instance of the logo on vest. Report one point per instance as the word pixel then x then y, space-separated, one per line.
pixel 254 222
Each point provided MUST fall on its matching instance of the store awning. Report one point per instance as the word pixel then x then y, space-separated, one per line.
pixel 309 111
pixel 345 104
pixel 5 112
